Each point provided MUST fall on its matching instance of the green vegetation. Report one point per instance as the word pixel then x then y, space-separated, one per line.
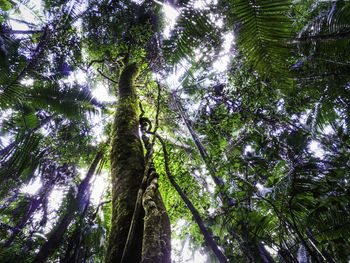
pixel 247 162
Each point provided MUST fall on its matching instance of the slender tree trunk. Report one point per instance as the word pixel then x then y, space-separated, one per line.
pixel 255 251
pixel 156 247
pixel 207 236
pixel 76 205
pixel 74 243
pixel 157 234
pixel 127 168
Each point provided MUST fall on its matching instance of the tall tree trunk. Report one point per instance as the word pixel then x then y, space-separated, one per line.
pixel 207 236
pixel 127 168
pixel 140 230
pixel 76 205
pixel 254 251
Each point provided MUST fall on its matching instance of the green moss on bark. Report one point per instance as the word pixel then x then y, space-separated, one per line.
pixel 150 241
pixel 127 166
pixel 156 237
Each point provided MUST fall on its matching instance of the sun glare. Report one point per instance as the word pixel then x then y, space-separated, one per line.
pixel 99 187
pixel 33 187
pixel 101 93
pixel 222 63
pixel 171 15
pixel 315 148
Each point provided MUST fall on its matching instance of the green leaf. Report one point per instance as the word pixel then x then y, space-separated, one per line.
pixel 5 5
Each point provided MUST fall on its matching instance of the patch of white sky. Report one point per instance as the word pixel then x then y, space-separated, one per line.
pixel 29 11
pixel 33 186
pixel 5 139
pixel 171 15
pixel 100 184
pixel 181 250
pixel 221 64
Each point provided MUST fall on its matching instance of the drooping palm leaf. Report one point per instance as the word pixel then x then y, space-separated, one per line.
pixel 69 100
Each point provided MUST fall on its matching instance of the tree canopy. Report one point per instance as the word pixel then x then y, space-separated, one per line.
pixel 231 126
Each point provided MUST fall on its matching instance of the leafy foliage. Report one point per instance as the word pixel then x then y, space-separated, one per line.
pixel 273 129
pixel 262 30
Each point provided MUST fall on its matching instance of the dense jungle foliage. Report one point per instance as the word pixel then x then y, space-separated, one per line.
pixel 237 114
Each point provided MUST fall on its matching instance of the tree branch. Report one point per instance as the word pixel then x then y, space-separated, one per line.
pixel 95 61
pixel 320 38
pixel 24 32
pixel 99 71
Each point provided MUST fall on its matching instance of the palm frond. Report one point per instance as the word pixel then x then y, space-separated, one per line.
pixel 193 28
pixel 71 101
pixel 19 164
pixel 262 30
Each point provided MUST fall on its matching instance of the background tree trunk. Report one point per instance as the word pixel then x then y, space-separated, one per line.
pixel 207 236
pixel 75 206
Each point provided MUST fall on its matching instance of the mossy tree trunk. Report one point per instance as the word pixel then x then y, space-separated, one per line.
pixel 127 171
pixel 156 238
pixel 156 245
pixel 127 166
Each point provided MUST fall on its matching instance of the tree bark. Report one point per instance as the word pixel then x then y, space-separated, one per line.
pixel 156 244
pixel 157 234
pixel 127 168
pixel 140 230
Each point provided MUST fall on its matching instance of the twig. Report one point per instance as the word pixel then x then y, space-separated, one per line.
pixel 24 32
pixel 95 61
pixel 99 71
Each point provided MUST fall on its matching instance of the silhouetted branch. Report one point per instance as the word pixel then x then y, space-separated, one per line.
pixel 24 32
pixel 103 75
